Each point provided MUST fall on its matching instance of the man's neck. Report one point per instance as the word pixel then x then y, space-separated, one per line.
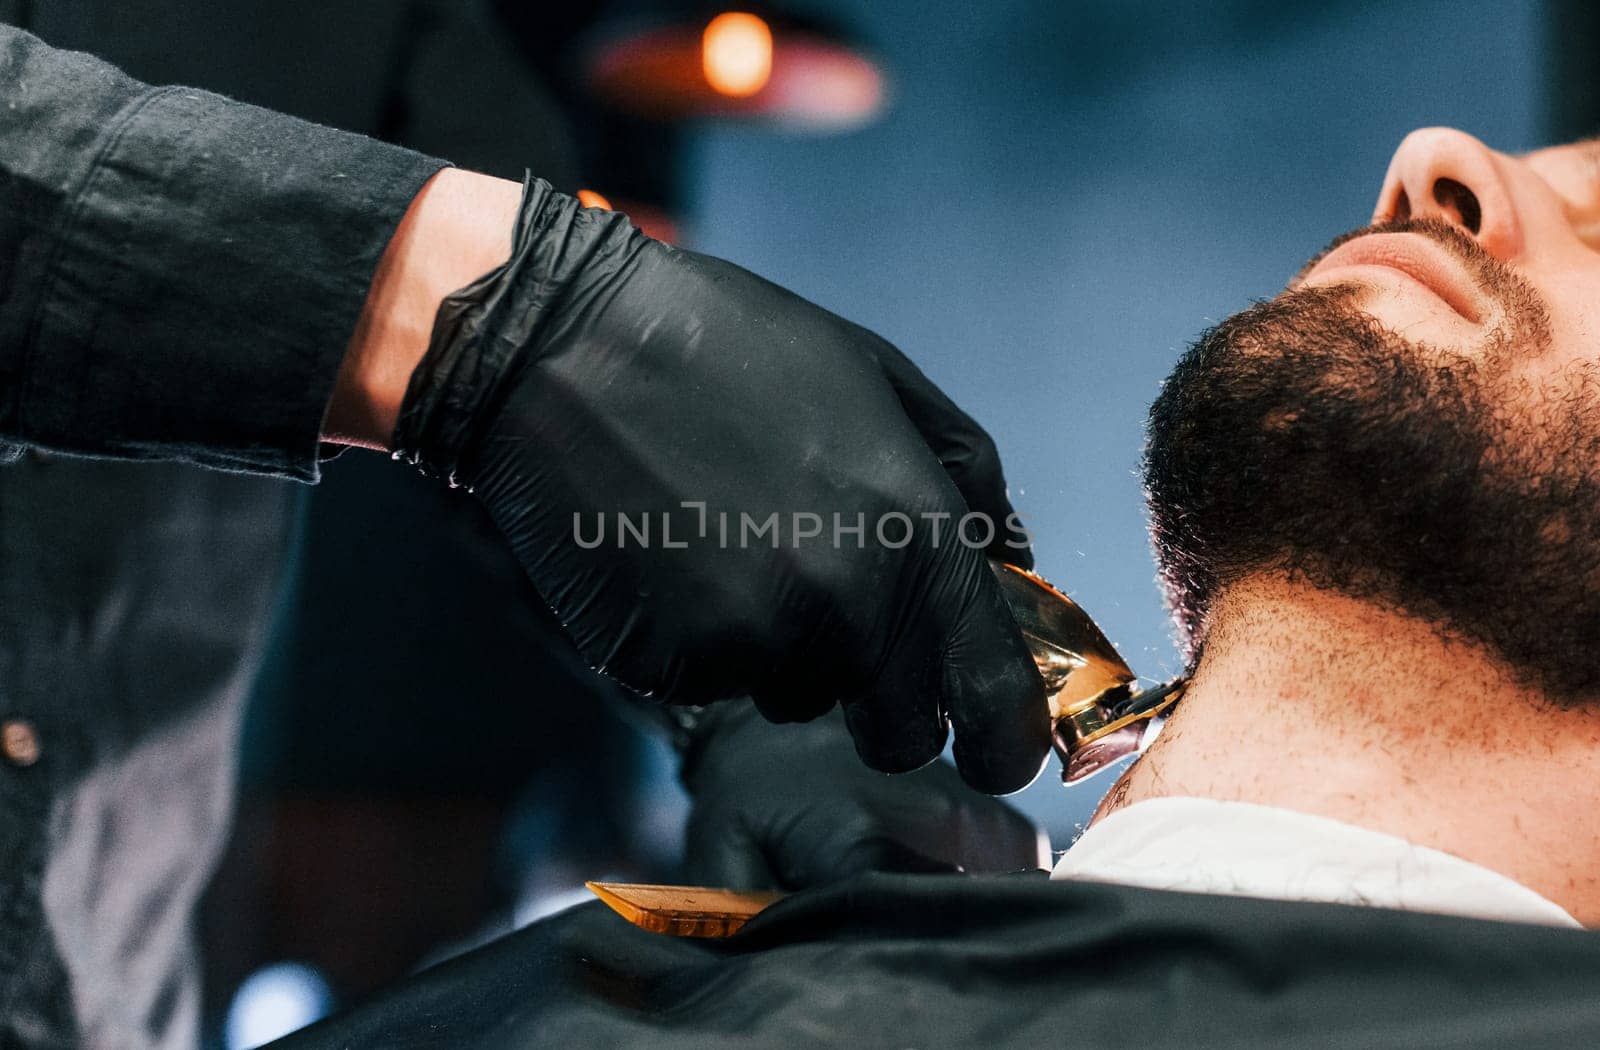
pixel 1316 702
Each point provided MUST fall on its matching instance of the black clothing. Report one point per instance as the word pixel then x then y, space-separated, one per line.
pixel 183 272
pixel 179 277
pixel 132 604
pixel 1003 961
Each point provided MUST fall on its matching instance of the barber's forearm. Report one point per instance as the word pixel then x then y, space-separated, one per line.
pixel 456 230
pixel 183 272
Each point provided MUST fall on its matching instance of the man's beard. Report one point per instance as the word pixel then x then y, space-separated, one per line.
pixel 1301 437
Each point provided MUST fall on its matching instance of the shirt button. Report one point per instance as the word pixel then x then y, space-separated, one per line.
pixel 18 742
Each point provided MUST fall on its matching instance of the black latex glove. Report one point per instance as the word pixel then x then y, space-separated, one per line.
pixel 601 371
pixel 788 807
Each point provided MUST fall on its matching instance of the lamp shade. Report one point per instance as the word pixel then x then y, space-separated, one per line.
pixel 737 64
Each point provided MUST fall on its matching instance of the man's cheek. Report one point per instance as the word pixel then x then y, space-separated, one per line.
pixel 1572 175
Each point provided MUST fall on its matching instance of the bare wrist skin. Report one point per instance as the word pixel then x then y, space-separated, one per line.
pixel 457 229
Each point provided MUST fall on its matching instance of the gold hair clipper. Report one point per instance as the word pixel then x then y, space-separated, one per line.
pixel 1096 714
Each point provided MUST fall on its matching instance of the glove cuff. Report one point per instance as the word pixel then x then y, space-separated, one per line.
pixel 485 333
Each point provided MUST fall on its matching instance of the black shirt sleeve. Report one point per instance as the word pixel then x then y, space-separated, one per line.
pixel 179 273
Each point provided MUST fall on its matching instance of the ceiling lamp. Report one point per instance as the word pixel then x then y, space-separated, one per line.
pixel 736 54
pixel 738 63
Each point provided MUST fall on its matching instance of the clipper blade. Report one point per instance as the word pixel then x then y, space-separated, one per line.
pixel 1096 716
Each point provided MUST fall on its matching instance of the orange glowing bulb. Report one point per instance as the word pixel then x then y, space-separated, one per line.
pixel 591 199
pixel 736 54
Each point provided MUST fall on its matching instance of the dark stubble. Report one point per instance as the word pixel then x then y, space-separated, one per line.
pixel 1300 436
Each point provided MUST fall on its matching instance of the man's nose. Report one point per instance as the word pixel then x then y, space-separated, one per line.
pixel 1441 173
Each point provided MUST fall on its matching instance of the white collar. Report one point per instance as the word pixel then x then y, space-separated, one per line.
pixel 1202 845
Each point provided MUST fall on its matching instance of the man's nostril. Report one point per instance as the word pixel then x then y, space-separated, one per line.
pixel 1456 198
pixel 1402 208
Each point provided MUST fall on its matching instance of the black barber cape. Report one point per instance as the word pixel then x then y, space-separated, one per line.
pixel 1005 961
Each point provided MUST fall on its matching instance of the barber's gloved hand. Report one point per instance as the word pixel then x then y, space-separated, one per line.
pixel 600 372
pixel 789 807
